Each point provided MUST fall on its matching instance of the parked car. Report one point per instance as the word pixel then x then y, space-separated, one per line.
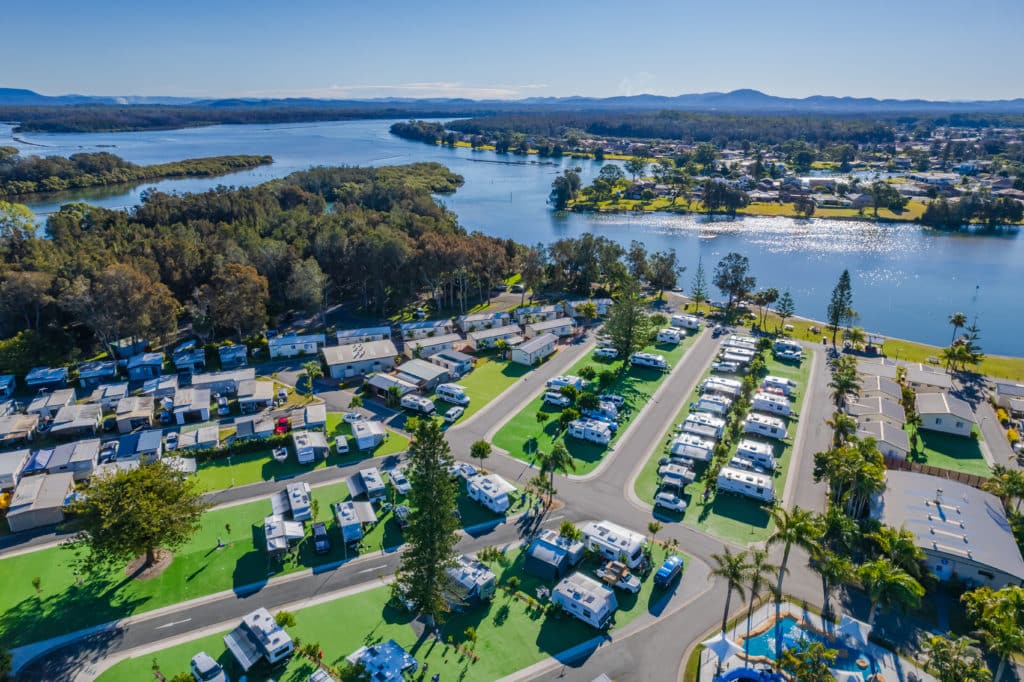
pixel 282 394
pixel 556 399
pixel 353 417
pixel 616 400
pixel 284 425
pixel 402 516
pixel 517 289
pixel 606 353
pixel 205 669
pixel 171 441
pixel 616 573
pixel 400 482
pixel 670 502
pixel 420 314
pixel 452 415
pixel 222 407
pixel 108 451
pixel 321 541
pixel 671 568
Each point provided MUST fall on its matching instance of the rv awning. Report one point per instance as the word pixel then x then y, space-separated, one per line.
pixel 364 512
pixel 355 485
pixel 242 648
pixel 279 503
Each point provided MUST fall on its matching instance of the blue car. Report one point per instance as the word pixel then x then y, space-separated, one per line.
pixel 672 567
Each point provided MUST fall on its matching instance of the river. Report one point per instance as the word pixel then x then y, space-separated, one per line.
pixel 906 280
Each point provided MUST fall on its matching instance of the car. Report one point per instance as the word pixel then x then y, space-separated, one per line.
pixel 668 571
pixel 452 415
pixel 171 441
pixel 282 393
pixel 402 516
pixel 283 425
pixel 719 330
pixel 669 501
pixel 321 541
pixel 725 367
pixel 616 573
pixel 517 289
pixel 400 482
pixel 462 470
pixel 166 418
pixel 222 407
pixel 606 353
pixel 420 314
pixel 205 669
pixel 557 399
pixel 353 417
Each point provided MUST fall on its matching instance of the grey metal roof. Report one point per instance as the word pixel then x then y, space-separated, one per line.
pixel 940 403
pixel 885 433
pixel 880 406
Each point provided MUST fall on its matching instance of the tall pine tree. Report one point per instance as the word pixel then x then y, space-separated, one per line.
pixel 628 325
pixel 699 287
pixel 841 304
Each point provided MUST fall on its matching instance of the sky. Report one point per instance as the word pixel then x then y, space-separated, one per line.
pixel 932 49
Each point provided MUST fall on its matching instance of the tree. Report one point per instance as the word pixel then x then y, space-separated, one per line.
pixel 284 619
pixel 564 189
pixel 759 573
pixel 888 586
pixel 558 460
pixel 840 304
pixel 799 528
pixel 653 528
pixel 954 659
pixel 307 286
pixel 899 546
pixel 804 206
pixel 568 529
pixel 764 300
pixel 809 661
pixel 998 617
pixel 733 569
pixel 628 326
pixel 587 310
pixel 885 195
pixel 636 260
pixel 238 297
pixel 17 227
pixel 432 532
pixel 24 296
pixel 958 321
pixel 845 382
pixel 732 277
pixel 699 286
pixel 134 512
pixel 611 173
pixel 843 427
pixel 532 271
pixel 635 166
pixel 856 337
pixel 1006 484
pixel 663 271
pixel 705 153
pixel 834 570
pixel 313 371
pixel 785 308
pixel 480 450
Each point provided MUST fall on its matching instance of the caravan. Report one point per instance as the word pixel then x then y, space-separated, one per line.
pixel 715 404
pixel 453 393
pixel 669 335
pixel 727 387
pixel 417 403
pixel 763 425
pixel 492 491
pixel 775 384
pixel 614 542
pixel 760 453
pixel 591 430
pixel 648 360
pixel 558 382
pixel 771 403
pixel 737 341
pixel 686 321
pixel 703 424
pixel 692 447
pixel 746 483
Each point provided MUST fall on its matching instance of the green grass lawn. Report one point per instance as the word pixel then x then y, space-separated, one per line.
pixel 511 635
pixel 729 517
pixel 523 436
pixel 198 569
pixel 490 378
pixel 947 451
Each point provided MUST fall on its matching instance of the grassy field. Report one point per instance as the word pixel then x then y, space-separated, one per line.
pixel 913 210
pixel 489 379
pixel 523 436
pixel 949 452
pixel 729 517
pixel 511 635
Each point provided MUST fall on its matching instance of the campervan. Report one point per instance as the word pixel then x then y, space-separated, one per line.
pixel 669 335
pixel 453 393
pixel 558 382
pixel 591 430
pixel 614 542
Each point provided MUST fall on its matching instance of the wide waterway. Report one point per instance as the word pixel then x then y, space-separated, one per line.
pixel 906 279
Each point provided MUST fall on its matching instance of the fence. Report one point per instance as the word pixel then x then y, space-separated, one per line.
pixel 906 465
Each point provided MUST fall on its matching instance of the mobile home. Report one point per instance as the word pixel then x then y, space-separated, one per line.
pixel 258 637
pixel 771 403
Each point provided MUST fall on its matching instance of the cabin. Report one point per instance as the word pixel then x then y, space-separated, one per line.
pixel 559 326
pixel 457 363
pixel 483 339
pixel 16 429
pixel 79 459
pixel 590 430
pixel 163 386
pixel 46 405
pixel 295 501
pixel 225 382
pixel 424 348
pixel 537 313
pixel 878 409
pixel 382 384
pixel 772 403
pixel 764 425
pixel 586 599
pixel 313 416
pixel 491 491
pixel 134 412
pixel 745 483
pixel 922 378
pixel 188 359
pixel 255 395
pixel 359 359
pixel 410 331
pixel 309 446
pixel 92 374
pixel 421 374
pixel 257 638
pixel 233 356
pixel 368 482
pixel 348 337
pixel 614 543
pixel 77 421
pixel 39 501
pixel 892 441
pixel 203 438
pixel 46 377
pixel 944 413
pixel 703 425
pixel 1009 396
pixel 191 405
pixel 481 321
pixel 535 350
pixel 257 427
pixel 145 366
pixel 294 345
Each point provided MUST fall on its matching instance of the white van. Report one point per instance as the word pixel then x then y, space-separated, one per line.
pixel 417 403
pixel 453 393
pixel 341 445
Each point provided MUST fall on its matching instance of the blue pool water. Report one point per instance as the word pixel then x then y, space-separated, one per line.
pixel 764 645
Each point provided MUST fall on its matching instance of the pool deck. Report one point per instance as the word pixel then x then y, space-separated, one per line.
pixel 891 667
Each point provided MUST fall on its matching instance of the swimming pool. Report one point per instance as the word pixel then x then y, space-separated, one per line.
pixel 792 633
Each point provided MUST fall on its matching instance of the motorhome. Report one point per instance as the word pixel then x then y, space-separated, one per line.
pixel 782 384
pixel 452 393
pixel 591 430
pixel 728 387
pixel 745 483
pixel 417 403
pixel 757 451
pixel 703 424
pixel 771 403
pixel 686 321
pixel 492 491
pixel 764 425
pixel 669 335
pixel 614 542
pixel 715 404
pixel 648 360
pixel 693 447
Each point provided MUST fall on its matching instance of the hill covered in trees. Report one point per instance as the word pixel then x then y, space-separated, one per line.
pixel 23 175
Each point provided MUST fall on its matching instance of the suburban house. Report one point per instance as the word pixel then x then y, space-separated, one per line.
pixel 161 387
pixel 188 359
pixel 258 637
pixel 425 328
pixel 79 459
pixel 537 313
pixel 878 409
pixel 92 374
pixel 586 599
pixel 191 405
pixel 225 382
pixel 255 395
pixel 368 434
pixel 456 362
pixel 559 326
pixel 46 405
pixel 492 491
pixel 942 412
pixel 292 345
pixel 358 359
pixel 551 556
pixel 39 501
pixel 422 374
pixel 482 339
pixel 572 308
pixel 233 356
pixel 203 438
pixel 46 377
pixel 75 421
pixel 16 429
pixel 7 385
pixel 535 350
pixel 478 321
pixel 893 442
pixel 108 396
pixel 133 412
pixel 309 446
pixel 963 531
pixel 348 337
pixel 145 366
pixel 880 387
pixel 470 582
pixel 613 542
pixel 381 384
pixel 1010 397
pixel 11 465
pixel 426 347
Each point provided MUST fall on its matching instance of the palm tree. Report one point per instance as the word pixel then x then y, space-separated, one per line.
pixel 1006 484
pixel 558 460
pixel 840 533
pixel 843 427
pixel 900 547
pixel 888 585
pixel 954 659
pixel 845 384
pixel 313 371
pixel 733 569
pixel 856 337
pixel 998 617
pixel 809 661
pixel 959 321
pixel 654 527
pixel 834 570
pixel 759 573
pixel 801 528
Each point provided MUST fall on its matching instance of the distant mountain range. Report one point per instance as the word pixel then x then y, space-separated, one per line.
pixel 737 101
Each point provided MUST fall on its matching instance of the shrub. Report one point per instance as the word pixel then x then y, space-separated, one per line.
pixel 606 378
pixel 285 619
pixel 1012 435
pixel 588 373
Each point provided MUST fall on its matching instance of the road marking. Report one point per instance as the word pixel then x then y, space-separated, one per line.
pixel 372 568
pixel 172 624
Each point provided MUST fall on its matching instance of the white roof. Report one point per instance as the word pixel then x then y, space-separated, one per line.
pixel 613 534
pixel 552 324
pixel 359 352
pixel 537 342
pixel 492 484
pixel 582 588
pixel 291 339
pixel 434 341
pixel 941 403
pixel 504 330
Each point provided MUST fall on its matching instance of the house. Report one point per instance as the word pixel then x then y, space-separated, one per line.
pixel 203 438
pixel 11 465
pixel 963 531
pixel 348 337
pixel 878 409
pixel 425 347
pixel 572 308
pixel 381 384
pixel 161 387
pixel 384 662
pixel 1006 393
pixel 492 491
pixel 293 345
pixel 764 425
pixel 669 335
pixel 39 501
pixel 559 326
pixel 92 374
pixel 294 501
pixel 422 374
pixel 188 359
pixel 614 542
pixel 368 434
pixel 142 445
pixel 258 637
pixel 46 377
pixel 423 329
pixel 281 534
pixel 880 387
pixel 16 429
pixel 892 441
pixel 745 483
pixel 942 412
pixel 145 366
pixel 233 356
pixel 470 582
pixel 309 446
pixel 586 599
pixel 46 405
pixel 314 416
pixel 771 403
pixel 352 516
pixel 75 421
pixel 225 382
pixel 535 350
pixel 922 378
pixel 79 459
pixel 704 425
pixel 480 321
pixel 483 339
pixel 134 412
pixel 255 395
pixel 7 386
pixel 551 556
pixel 256 427
pixel 359 359
pixel 108 396
pixel 458 364
pixel 693 447
pixel 537 313
pixel 191 405
pixel 590 430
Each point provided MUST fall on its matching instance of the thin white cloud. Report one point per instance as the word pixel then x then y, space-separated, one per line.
pixel 415 90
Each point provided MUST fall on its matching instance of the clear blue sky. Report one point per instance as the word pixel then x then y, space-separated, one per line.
pixel 935 49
